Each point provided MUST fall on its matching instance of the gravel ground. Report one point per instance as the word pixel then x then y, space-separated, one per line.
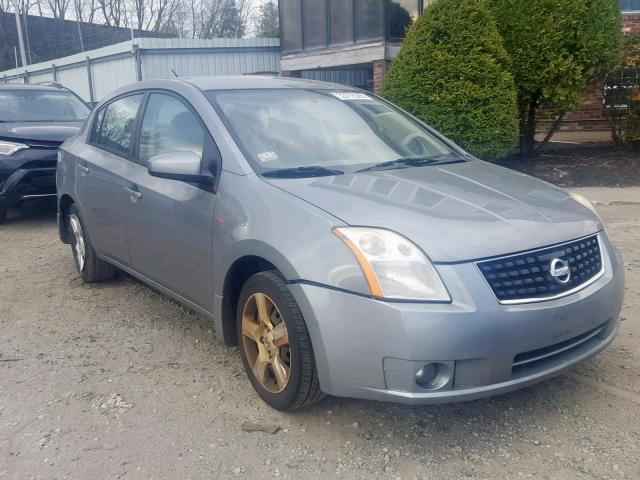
pixel 583 165
pixel 115 381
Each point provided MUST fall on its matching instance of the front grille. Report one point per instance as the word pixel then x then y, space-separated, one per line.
pixel 527 276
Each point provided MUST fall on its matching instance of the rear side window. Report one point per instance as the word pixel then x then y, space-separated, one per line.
pixel 169 126
pixel 116 125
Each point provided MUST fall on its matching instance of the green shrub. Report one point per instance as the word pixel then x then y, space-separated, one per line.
pixel 558 49
pixel 622 95
pixel 451 73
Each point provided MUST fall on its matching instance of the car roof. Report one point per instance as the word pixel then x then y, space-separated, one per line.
pixel 245 82
pixel 221 82
pixel 22 86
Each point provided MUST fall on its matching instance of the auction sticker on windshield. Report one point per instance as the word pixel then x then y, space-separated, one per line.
pixel 350 96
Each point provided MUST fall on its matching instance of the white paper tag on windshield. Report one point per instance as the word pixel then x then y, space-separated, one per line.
pixel 350 96
pixel 268 156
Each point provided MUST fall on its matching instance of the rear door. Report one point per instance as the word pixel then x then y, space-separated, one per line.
pixel 100 175
pixel 170 222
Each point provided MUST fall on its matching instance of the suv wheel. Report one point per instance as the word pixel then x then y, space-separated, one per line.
pixel 89 266
pixel 274 344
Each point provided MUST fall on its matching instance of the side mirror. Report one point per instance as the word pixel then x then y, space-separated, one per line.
pixel 183 166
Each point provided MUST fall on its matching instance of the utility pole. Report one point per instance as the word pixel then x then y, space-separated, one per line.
pixel 15 54
pixel 23 54
pixel 133 14
pixel 26 36
pixel 76 3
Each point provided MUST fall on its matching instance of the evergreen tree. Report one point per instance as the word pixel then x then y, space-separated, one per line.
pixel 452 72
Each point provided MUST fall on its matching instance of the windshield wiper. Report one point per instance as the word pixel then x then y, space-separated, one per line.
pixel 301 172
pixel 411 162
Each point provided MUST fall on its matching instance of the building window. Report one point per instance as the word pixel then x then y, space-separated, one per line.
pixel 369 19
pixel 314 23
pixel 401 14
pixel 630 5
pixel 341 21
pixel 290 15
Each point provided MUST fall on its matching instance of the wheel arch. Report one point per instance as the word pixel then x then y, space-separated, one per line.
pixel 64 206
pixel 236 276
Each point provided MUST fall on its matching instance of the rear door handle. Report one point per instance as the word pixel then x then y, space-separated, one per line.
pixel 83 167
pixel 134 192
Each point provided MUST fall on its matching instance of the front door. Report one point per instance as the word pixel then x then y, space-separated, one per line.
pixel 100 170
pixel 170 222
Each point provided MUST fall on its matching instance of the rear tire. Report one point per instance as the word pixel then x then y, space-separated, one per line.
pixel 277 354
pixel 89 266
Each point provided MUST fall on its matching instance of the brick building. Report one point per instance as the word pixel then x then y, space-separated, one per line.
pixel 589 116
pixel 349 40
pixel 353 42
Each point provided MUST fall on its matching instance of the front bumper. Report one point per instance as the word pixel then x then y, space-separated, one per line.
pixel 28 174
pixel 370 349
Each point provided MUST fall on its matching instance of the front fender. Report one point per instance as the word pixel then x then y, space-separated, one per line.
pixel 254 218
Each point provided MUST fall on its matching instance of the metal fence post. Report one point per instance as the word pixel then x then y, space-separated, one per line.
pixel 90 80
pixel 26 76
pixel 137 55
pixel 54 72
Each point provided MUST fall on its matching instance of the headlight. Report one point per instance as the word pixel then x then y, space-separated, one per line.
pixel 9 148
pixel 392 265
pixel 585 203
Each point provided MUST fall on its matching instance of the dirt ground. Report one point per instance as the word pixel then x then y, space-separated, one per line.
pixel 583 165
pixel 114 381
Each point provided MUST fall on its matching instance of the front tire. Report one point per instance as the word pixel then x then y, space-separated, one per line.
pixel 89 266
pixel 275 345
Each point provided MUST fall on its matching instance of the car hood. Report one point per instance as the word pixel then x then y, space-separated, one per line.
pixel 40 131
pixel 454 212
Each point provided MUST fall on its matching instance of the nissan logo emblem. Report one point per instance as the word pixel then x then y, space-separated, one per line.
pixel 560 271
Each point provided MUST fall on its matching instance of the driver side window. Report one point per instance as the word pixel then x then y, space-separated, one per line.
pixel 169 126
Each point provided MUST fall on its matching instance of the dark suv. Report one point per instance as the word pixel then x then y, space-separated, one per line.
pixel 34 121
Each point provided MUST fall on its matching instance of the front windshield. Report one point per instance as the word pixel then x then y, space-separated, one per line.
pixel 344 131
pixel 41 106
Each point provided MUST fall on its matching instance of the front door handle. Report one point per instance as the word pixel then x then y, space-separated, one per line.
pixel 84 168
pixel 134 193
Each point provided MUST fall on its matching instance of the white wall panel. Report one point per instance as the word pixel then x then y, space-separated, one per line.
pixel 75 78
pixel 115 65
pixel 111 74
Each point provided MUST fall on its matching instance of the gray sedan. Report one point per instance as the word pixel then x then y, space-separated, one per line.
pixel 346 247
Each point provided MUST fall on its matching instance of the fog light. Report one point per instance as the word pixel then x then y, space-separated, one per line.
pixel 426 374
pixel 433 376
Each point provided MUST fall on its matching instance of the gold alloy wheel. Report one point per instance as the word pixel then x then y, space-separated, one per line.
pixel 266 342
